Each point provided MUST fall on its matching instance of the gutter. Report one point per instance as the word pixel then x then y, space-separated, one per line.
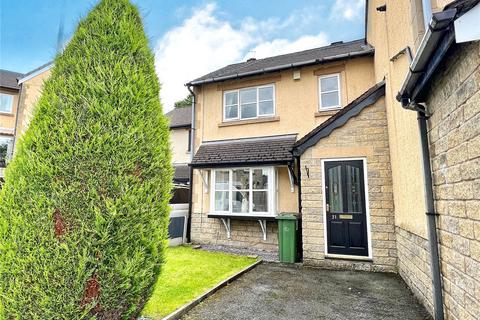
pixel 192 151
pixel 435 44
pixel 284 67
pixel 437 40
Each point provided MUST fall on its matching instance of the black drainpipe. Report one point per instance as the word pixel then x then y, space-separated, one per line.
pixel 422 118
pixel 192 150
pixel 431 217
pixel 300 228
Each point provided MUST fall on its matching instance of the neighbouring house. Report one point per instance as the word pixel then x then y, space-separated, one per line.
pixel 320 133
pixel 9 95
pixel 31 85
pixel 180 133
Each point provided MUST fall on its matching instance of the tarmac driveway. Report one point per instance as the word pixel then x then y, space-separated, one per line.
pixel 275 291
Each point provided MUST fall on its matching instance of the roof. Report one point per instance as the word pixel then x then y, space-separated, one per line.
pixel 335 51
pixel 261 150
pixel 8 79
pixel 180 117
pixel 340 118
pixel 182 173
pixel 439 38
pixel 29 75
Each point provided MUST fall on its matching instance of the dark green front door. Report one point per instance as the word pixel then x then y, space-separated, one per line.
pixel 345 208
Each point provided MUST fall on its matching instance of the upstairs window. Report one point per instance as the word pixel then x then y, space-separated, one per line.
pixel 6 103
pixel 249 103
pixel 329 89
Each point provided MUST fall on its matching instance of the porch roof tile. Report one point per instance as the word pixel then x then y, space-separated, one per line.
pixel 248 151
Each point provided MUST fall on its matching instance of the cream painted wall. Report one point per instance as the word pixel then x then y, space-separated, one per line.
pixel 296 101
pixel 179 145
pixel 296 111
pixel 390 32
pixel 30 93
pixel 7 120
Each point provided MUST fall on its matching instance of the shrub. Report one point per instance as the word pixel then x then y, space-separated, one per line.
pixel 84 207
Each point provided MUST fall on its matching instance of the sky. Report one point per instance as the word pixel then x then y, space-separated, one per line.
pixel 189 38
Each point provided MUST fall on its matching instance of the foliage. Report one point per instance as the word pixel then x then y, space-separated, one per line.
pixel 188 273
pixel 187 102
pixel 84 208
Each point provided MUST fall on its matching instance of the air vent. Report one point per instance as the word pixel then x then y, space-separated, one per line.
pixel 336 42
pixel 251 59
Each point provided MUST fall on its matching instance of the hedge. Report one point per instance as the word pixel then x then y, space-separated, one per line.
pixel 84 207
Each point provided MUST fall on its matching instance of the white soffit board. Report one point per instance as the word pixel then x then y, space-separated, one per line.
pixel 467 27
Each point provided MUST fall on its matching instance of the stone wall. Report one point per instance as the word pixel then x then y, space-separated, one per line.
pixel 454 133
pixel 244 234
pixel 365 136
pixel 414 265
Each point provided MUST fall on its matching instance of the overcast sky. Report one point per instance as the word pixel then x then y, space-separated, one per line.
pixel 189 38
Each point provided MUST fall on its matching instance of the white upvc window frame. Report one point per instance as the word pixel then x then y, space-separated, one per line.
pixel 12 98
pixel 339 83
pixel 239 109
pixel 270 193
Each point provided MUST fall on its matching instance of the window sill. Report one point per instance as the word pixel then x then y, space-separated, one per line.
pixel 8 114
pixel 241 217
pixel 327 113
pixel 247 121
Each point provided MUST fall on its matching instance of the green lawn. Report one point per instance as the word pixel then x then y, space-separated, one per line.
pixel 187 274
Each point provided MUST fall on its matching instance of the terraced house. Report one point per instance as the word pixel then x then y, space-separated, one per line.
pixel 372 144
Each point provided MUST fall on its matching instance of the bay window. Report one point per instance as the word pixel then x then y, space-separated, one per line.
pixel 329 92
pixel 249 103
pixel 243 191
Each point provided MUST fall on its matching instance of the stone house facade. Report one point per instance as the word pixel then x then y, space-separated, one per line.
pixel 454 134
pixel 365 137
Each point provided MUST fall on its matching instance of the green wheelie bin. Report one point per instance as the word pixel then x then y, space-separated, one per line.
pixel 287 237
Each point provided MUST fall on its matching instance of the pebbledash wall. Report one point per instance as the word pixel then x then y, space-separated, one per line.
pixel 364 136
pixel 454 137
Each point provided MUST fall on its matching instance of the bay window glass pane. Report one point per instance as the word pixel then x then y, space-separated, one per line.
pixel 260 179
pixel 240 202
pixel 260 201
pixel 6 103
pixel 265 93
pixel 330 99
pixel 329 83
pixel 231 112
pixel 221 200
pixel 241 179
pixel 249 110
pixel 222 180
pixel 265 107
pixel 248 96
pixel 231 98
pixel 335 189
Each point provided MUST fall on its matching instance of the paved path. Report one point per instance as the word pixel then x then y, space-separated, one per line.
pixel 275 291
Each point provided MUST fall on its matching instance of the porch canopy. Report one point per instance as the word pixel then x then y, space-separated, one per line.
pixel 271 150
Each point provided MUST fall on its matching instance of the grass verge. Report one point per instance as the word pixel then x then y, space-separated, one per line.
pixel 187 274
